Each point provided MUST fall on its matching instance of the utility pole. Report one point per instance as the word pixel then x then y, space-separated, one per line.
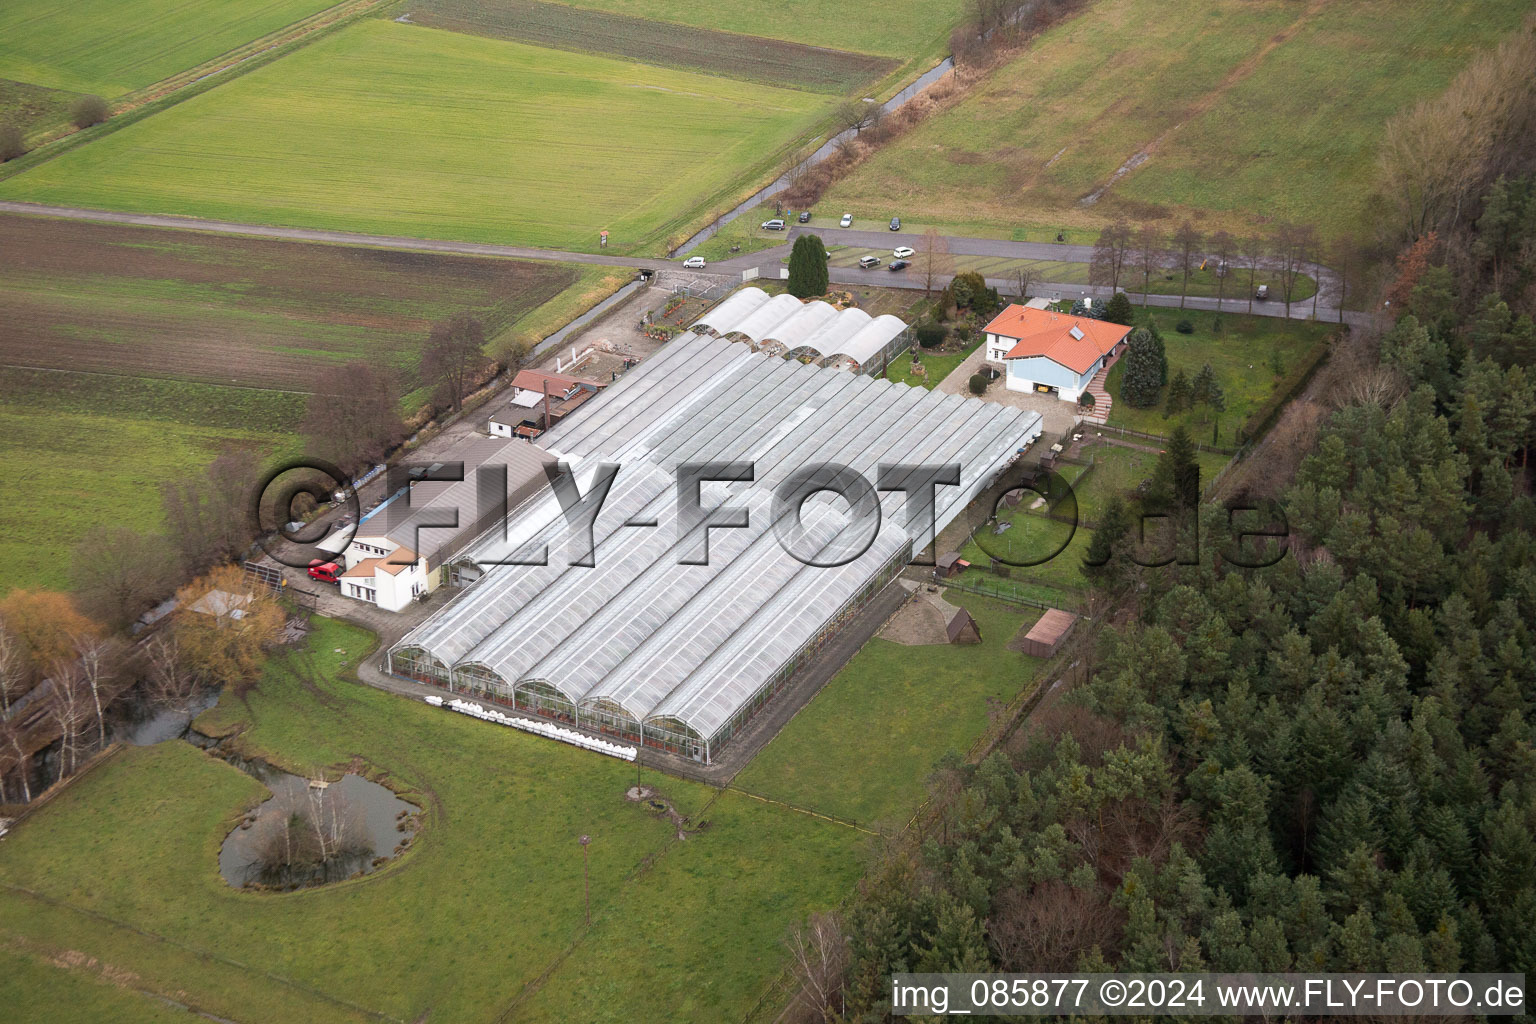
pixel 586 876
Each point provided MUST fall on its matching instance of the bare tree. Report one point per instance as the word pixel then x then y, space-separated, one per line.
pixel 167 682
pixel 69 706
pixel 819 952
pixel 1347 258
pixel 1254 248
pixel 353 416
pixel 1024 279
pixel 1050 927
pixel 98 663
pixel 1149 256
pixel 1293 245
pixel 455 352
pixel 118 572
pixel 1186 243
pixel 212 518
pixel 13 686
pixel 1109 254
pixel 1223 247
pixel 936 259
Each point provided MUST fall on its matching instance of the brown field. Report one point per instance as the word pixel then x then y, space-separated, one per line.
pixel 251 312
pixel 710 52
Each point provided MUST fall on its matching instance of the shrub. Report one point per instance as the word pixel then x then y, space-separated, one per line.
pixel 88 110
pixel 1086 400
pixel 12 145
pixel 978 383
pixel 930 335
pixel 963 332
pixel 1184 327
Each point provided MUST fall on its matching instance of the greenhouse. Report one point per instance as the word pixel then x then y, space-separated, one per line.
pixel 846 339
pixel 678 631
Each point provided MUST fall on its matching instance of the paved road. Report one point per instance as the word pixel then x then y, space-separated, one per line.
pixel 767 261
pixel 224 227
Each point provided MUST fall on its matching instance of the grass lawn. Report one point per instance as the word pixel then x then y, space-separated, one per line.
pixel 43 985
pixel 886 27
pixel 863 748
pixel 488 899
pixel 395 129
pixel 85 450
pixel 1240 355
pixel 936 365
pixel 1260 110
pixel 32 107
pixel 110 47
pixel 1118 469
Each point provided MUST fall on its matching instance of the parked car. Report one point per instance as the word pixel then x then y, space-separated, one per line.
pixel 846 222
pixel 869 261
pixel 898 265
pixel 805 216
pixel 895 223
pixel 777 224
pixel 902 252
pixel 694 263
pixel 325 572
pixel 1263 293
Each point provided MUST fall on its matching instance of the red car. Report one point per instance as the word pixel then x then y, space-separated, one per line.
pixel 325 572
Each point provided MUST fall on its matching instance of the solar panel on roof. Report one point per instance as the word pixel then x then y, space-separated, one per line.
pixel 1076 332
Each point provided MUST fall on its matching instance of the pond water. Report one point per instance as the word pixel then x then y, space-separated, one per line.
pixel 151 724
pixel 306 834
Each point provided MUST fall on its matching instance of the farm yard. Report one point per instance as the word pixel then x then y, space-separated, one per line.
pixel 131 355
pixel 1235 112
pixel 708 51
pixel 464 926
pixel 398 129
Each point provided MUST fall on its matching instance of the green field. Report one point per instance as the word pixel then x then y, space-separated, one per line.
pixel 1251 111
pixel 390 128
pixel 110 47
pixel 887 27
pixel 863 749
pixel 488 900
pixel 1240 354
pixel 86 450
pixel 132 355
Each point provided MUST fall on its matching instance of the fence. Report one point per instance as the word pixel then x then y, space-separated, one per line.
pixel 1104 428
pixel 1011 591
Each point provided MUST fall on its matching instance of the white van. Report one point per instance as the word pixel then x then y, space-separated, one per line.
pixel 777 224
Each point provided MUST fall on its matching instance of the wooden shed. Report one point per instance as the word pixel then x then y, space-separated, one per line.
pixel 950 564
pixel 962 629
pixel 1045 637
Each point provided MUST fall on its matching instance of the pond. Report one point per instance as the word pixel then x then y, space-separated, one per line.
pixel 310 833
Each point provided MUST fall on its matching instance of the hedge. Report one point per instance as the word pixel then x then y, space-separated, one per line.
pixel 1290 386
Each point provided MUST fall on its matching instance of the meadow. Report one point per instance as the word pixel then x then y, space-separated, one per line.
pixel 110 47
pixel 1241 350
pixel 390 128
pixel 863 749
pixel 1246 112
pixel 483 916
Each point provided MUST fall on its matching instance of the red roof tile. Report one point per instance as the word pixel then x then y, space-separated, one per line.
pixel 1039 332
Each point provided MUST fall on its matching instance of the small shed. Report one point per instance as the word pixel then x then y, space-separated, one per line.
pixel 1045 636
pixel 950 564
pixel 962 629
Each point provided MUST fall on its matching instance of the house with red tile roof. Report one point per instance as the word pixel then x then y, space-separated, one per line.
pixel 1052 353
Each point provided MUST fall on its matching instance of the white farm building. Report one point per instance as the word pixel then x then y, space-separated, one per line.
pixel 644 647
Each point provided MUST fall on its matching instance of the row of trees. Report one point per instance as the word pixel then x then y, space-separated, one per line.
pixel 1123 255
